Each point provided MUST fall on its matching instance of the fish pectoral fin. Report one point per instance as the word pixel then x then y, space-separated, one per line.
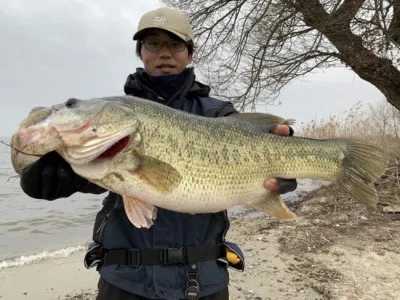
pixel 274 206
pixel 162 176
pixel 263 119
pixel 140 213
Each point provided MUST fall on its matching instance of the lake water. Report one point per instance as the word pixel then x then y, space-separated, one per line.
pixel 32 230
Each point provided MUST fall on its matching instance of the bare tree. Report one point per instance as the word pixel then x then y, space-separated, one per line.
pixel 248 50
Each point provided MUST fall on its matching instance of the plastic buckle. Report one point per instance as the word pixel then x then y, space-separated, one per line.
pixel 129 259
pixel 193 287
pixel 171 256
pixel 192 290
pixel 93 256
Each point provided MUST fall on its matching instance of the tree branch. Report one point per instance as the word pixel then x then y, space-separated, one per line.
pixel 394 27
pixel 347 10
pixel 250 49
pixel 370 67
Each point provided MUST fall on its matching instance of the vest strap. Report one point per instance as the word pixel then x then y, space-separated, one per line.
pixel 137 257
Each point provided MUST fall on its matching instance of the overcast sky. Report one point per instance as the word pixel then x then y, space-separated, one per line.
pixel 54 50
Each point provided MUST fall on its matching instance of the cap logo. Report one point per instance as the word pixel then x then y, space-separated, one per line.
pixel 159 20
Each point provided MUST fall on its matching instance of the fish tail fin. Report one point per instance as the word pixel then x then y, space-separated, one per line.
pixel 362 165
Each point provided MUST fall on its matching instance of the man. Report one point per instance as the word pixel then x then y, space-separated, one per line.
pixel 182 256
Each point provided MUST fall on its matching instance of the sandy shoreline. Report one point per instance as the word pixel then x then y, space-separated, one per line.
pixel 67 278
pixel 327 266
pixel 47 280
pixel 336 249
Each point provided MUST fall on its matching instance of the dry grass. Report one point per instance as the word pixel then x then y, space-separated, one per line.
pixel 336 233
pixel 378 124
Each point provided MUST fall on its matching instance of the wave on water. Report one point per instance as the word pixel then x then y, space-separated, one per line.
pixel 45 255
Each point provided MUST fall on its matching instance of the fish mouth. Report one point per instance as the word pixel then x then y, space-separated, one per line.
pixel 93 158
pixel 114 149
pixel 98 149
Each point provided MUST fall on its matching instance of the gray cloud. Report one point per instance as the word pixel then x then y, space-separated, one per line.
pixel 324 93
pixel 53 50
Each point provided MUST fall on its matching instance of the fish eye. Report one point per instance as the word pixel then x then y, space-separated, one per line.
pixel 71 102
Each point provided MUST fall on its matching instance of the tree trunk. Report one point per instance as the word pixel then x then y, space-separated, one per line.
pixel 377 70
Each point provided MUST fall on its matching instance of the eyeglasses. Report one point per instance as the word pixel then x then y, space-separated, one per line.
pixel 155 45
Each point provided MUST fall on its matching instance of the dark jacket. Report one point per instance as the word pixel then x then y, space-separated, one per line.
pixel 121 240
pixel 171 229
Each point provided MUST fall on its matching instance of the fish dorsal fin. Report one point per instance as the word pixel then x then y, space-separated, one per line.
pixel 263 119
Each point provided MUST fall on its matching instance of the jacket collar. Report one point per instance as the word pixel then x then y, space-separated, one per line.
pixel 140 84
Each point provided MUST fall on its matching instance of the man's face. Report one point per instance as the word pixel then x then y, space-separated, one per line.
pixel 166 60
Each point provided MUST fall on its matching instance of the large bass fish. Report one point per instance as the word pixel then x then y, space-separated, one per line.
pixel 156 156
